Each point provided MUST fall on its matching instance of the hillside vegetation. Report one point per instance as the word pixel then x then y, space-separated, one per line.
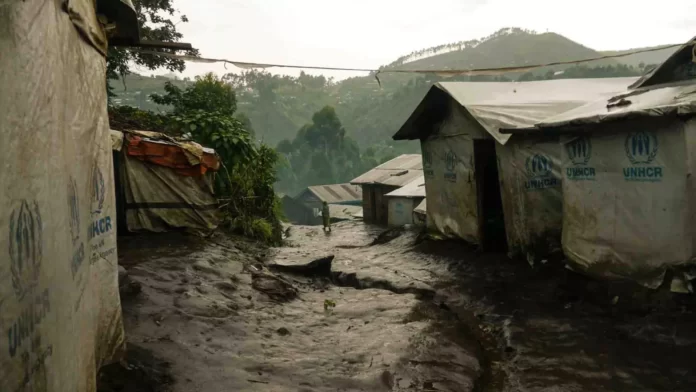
pixel 278 107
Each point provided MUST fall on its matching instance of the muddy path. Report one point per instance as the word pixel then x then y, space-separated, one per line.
pixel 409 315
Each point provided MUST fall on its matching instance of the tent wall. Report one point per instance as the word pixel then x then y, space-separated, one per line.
pixel 159 199
pixel 531 187
pixel 690 138
pixel 626 205
pixel 452 205
pixel 61 314
pixel 448 168
pixel 401 210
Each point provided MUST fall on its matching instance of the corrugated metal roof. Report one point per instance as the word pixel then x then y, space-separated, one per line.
pixel 415 188
pixel 396 172
pixel 496 105
pixel 403 162
pixel 337 193
pixel 674 100
pixel 344 212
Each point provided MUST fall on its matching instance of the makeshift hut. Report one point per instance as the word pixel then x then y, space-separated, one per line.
pixel 383 179
pixel 629 194
pixel 164 184
pixel 467 161
pixel 305 209
pixel 402 202
pixel 296 212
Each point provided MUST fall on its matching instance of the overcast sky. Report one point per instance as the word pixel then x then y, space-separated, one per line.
pixel 370 33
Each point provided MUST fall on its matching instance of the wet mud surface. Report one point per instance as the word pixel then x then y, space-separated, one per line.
pixel 393 312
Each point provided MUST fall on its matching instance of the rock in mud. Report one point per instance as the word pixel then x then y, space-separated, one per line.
pixel 273 286
pixel 387 236
pixel 282 331
pixel 140 372
pixel 318 267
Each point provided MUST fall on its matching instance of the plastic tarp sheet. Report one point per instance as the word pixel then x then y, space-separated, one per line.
pixel 187 158
pixel 159 198
pixel 531 190
pixel 449 182
pixel 627 200
pixel 500 105
pixel 643 103
pixel 61 314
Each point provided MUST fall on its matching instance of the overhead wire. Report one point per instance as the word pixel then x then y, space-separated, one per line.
pixel 440 72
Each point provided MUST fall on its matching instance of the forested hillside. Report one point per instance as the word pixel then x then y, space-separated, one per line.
pixel 279 107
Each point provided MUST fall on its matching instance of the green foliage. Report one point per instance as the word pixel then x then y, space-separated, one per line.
pixel 158 21
pixel 321 153
pixel 127 117
pixel 208 94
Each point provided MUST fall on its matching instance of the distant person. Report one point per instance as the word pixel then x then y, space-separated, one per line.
pixel 326 216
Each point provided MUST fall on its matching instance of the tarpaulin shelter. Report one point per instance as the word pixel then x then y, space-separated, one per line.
pixel 61 314
pixel 164 183
pixel 628 187
pixel 383 179
pixel 475 175
pixel 305 209
pixel 403 200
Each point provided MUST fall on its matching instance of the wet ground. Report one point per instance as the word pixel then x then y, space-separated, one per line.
pixel 394 313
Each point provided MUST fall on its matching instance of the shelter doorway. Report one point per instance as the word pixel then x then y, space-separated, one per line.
pixel 490 202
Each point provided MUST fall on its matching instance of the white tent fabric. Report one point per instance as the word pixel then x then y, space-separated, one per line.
pixel 627 187
pixel 497 105
pixel 629 207
pixel 530 184
pixel 454 114
pixel 61 314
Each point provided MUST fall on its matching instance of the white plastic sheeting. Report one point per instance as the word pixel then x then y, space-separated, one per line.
pixel 449 181
pixel 531 186
pixel 496 105
pixel 628 200
pixel 61 314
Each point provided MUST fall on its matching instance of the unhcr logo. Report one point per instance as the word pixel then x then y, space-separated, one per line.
pixel 450 165
pixel 427 164
pixel 579 153
pixel 641 150
pixel 540 172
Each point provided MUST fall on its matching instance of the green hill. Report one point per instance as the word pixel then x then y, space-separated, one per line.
pixel 507 47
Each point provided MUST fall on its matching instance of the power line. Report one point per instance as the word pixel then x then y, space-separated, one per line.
pixel 440 72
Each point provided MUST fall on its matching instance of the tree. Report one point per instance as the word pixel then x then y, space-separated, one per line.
pixel 246 123
pixel 208 93
pixel 157 21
